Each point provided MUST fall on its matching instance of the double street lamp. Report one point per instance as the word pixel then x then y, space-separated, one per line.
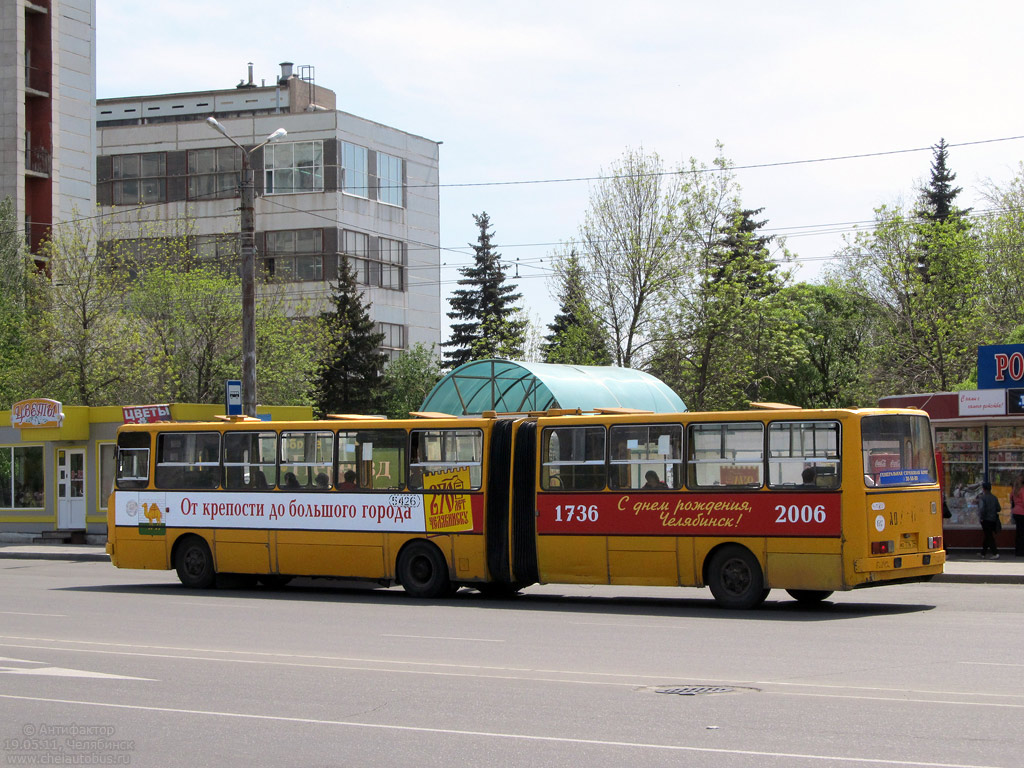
pixel 248 249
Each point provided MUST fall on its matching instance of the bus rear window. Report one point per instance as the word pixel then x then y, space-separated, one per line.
pixel 897 450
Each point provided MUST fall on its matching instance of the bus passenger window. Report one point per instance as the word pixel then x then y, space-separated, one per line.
pixel 188 460
pixel 446 459
pixel 646 457
pixel 729 455
pixel 249 460
pixel 573 459
pixel 804 455
pixel 371 459
pixel 304 457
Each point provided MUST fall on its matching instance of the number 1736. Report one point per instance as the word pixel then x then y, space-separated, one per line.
pixel 566 513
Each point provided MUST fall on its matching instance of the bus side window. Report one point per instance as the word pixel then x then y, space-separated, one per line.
pixel 646 457
pixel 188 460
pixel 249 459
pixel 804 455
pixel 726 455
pixel 371 459
pixel 305 456
pixel 573 459
pixel 446 458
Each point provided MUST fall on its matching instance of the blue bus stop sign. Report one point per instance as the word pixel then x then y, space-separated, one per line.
pixel 233 397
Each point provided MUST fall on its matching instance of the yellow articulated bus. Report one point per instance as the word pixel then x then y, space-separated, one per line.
pixel 810 501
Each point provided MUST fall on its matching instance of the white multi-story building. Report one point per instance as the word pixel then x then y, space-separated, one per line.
pixel 47 102
pixel 337 186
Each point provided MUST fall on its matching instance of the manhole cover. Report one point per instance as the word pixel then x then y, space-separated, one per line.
pixel 694 690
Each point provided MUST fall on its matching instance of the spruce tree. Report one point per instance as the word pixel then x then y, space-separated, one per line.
pixel 577 337
pixel 938 199
pixel 485 311
pixel 937 212
pixel 351 375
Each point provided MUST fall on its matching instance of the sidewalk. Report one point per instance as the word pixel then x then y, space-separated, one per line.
pixel 962 565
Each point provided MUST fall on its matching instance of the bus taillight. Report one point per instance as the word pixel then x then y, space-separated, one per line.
pixel 882 547
pixel 934 542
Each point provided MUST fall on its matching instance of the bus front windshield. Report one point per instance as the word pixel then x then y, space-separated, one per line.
pixel 897 450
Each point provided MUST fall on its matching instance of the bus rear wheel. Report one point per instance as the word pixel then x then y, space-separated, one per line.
pixel 809 596
pixel 735 578
pixel 422 571
pixel 194 563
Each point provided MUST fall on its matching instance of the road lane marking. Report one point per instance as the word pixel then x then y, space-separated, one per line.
pixel 22 613
pixel 545 676
pixel 65 672
pixel 459 639
pixel 639 745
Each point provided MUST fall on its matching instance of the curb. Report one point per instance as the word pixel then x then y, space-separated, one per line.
pixel 81 557
pixel 980 578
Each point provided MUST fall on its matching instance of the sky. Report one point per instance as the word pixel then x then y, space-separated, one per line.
pixel 555 92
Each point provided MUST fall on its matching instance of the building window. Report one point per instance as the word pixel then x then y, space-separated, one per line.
pixel 391 261
pixel 214 173
pixel 393 343
pixel 295 254
pixel 105 458
pixel 389 179
pixel 21 477
pixel 356 180
pixel 216 248
pixel 294 167
pixel 139 178
pixel 386 269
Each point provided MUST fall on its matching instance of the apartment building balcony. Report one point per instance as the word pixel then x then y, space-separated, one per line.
pixel 38 162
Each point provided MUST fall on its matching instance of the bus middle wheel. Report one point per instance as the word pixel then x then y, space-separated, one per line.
pixel 422 571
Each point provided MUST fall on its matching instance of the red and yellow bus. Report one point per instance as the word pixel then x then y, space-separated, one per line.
pixel 810 501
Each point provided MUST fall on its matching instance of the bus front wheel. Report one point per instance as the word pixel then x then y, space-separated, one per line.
pixel 735 578
pixel 194 563
pixel 422 570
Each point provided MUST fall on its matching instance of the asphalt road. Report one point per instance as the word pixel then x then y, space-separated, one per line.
pixel 106 667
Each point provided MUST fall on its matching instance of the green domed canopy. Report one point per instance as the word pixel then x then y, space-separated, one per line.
pixel 508 386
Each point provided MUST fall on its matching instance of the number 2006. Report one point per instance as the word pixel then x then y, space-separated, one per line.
pixel 578 512
pixel 798 514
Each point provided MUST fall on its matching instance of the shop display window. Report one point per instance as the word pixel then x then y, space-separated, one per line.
pixel 963 468
pixel 21 477
pixel 1005 460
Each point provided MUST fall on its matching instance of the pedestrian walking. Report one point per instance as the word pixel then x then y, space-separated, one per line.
pixel 1017 509
pixel 988 515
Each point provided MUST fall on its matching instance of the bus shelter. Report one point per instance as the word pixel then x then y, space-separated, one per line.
pixel 508 386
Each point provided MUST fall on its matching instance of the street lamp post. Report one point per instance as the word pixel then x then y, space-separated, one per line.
pixel 248 252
